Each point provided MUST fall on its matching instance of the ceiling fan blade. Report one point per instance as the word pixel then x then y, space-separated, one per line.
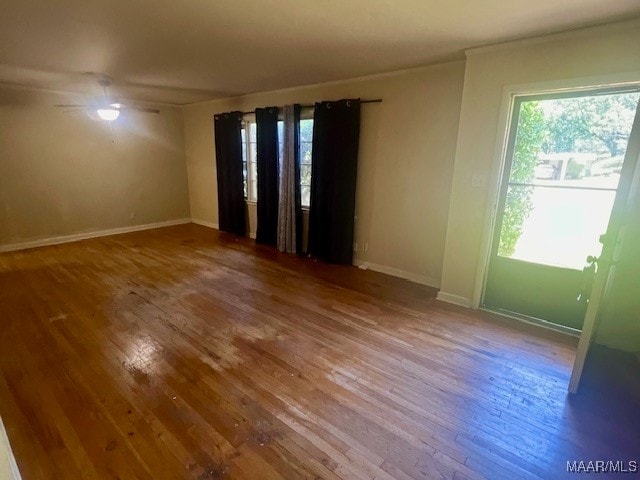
pixel 141 109
pixel 73 106
pixel 79 109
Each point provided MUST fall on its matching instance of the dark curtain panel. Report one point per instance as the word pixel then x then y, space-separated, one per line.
pixel 336 132
pixel 228 138
pixel 267 166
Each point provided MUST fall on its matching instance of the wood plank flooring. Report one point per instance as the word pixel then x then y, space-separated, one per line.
pixel 185 353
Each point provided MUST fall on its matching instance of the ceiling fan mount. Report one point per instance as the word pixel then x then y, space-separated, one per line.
pixel 104 107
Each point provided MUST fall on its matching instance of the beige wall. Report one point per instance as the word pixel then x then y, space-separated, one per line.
pixel 612 51
pixel 407 145
pixel 63 173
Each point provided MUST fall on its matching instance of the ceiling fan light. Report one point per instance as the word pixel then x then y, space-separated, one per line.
pixel 108 114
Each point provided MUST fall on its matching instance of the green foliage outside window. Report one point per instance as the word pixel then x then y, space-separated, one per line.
pixel 598 123
pixel 529 138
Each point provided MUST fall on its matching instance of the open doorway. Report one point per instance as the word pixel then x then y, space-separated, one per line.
pixel 562 172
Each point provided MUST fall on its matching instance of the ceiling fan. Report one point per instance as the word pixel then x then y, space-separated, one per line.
pixel 105 107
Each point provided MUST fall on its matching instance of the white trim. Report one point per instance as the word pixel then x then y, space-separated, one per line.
pixel 451 59
pixel 396 272
pixel 204 223
pixel 537 322
pixel 246 97
pixel 577 32
pixel 497 171
pixel 6 454
pixel 454 299
pixel 84 236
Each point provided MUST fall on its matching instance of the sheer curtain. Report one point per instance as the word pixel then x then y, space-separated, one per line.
pixel 289 207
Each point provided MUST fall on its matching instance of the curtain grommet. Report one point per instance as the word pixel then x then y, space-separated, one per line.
pixel 348 103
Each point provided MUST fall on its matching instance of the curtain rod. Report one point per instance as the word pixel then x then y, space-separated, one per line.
pixel 375 100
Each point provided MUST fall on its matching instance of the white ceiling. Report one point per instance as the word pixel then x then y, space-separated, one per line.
pixel 183 51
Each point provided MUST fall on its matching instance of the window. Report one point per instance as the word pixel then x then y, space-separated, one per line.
pixel 249 168
pixel 306 141
pixel 564 171
pixel 249 151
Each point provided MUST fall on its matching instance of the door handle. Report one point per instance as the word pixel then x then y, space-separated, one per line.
pixel 589 273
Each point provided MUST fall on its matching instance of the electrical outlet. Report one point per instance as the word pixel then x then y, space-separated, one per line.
pixel 366 246
pixel 355 246
pixel 132 215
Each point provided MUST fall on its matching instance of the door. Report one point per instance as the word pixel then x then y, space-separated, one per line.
pixel 565 158
pixel 613 241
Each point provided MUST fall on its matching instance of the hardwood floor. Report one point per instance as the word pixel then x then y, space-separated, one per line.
pixel 185 353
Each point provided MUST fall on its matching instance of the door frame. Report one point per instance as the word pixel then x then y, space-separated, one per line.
pixel 503 135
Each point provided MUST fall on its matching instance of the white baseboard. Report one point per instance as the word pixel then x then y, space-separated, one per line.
pixel 204 223
pixel 84 236
pixel 396 272
pixel 454 299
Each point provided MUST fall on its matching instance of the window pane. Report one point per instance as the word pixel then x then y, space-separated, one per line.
pixel 254 191
pixel 578 141
pixel 557 226
pixel 306 130
pixel 244 177
pixel 305 174
pixel 252 131
pixel 254 171
pixel 243 133
pixel 253 152
pixel 305 153
pixel 280 131
pixel 564 148
pixel 244 171
pixel 305 192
